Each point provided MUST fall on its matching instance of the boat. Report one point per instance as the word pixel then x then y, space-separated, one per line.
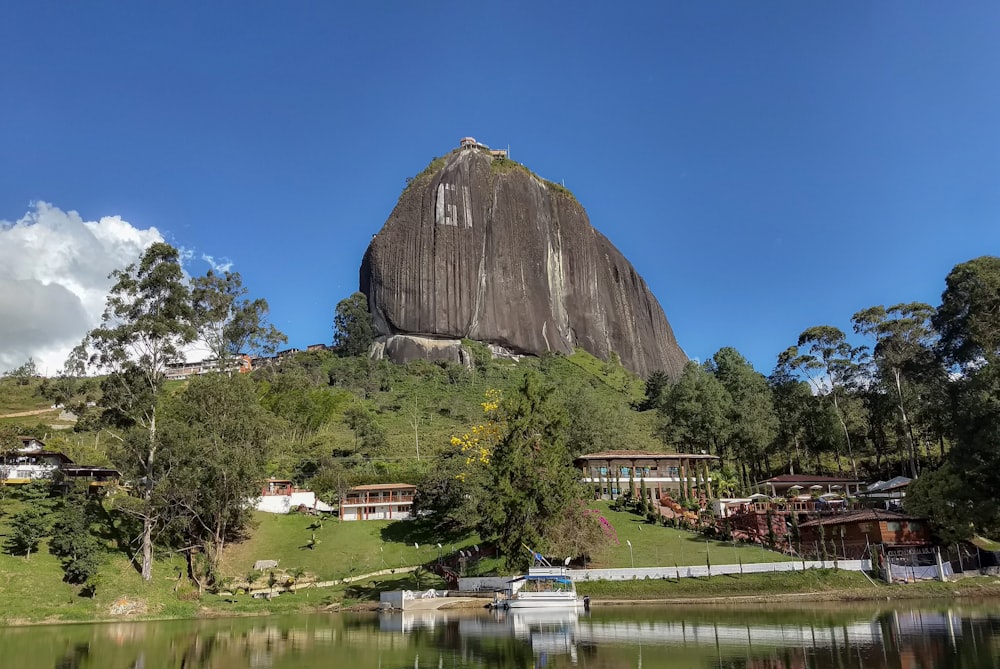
pixel 544 586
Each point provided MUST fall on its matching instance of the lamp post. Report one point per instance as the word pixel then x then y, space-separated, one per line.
pixel 630 555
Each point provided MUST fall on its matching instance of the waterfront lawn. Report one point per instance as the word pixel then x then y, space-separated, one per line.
pixel 657 546
pixel 810 580
pixel 342 549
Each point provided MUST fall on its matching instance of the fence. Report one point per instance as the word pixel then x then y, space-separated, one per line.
pixel 688 571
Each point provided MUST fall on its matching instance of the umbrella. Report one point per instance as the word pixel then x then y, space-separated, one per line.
pixel 795 487
pixel 758 495
pixel 815 487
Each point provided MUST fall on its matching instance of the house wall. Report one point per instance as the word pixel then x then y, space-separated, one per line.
pixel 285 503
pixel 392 511
pixel 852 539
pixel 373 503
pixel 609 478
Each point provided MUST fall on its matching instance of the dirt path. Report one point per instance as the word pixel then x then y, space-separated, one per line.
pixel 19 414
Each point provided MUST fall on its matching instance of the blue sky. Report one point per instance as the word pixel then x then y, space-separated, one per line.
pixel 765 166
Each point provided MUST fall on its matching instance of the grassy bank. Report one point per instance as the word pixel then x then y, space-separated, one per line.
pixel 811 585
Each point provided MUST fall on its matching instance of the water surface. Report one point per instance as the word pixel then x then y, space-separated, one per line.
pixel 946 636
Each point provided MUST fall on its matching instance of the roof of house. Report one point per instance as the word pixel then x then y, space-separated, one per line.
pixel 612 455
pixel 861 516
pixel 808 478
pixel 891 484
pixel 382 486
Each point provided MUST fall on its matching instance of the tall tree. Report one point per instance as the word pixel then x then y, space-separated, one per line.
pixel 217 434
pixel 353 332
pixel 792 398
pixel 530 477
pixel 753 424
pixel 694 412
pixel 968 321
pixel 228 322
pixel 969 316
pixel 904 341
pixel 830 363
pixel 146 324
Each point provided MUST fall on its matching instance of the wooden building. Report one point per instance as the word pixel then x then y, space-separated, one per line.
pixel 849 534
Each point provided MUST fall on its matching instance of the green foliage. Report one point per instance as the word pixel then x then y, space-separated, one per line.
pixel 969 316
pixel 353 331
pixel 73 541
pixel 694 411
pixel 229 323
pixel 23 374
pixel 432 168
pixel 530 477
pixel 215 435
pixel 28 528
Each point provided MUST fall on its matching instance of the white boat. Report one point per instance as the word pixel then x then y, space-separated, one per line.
pixel 543 587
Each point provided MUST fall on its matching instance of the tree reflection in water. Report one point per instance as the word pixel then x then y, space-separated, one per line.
pixel 835 638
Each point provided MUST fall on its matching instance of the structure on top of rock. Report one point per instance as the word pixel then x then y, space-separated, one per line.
pixel 478 247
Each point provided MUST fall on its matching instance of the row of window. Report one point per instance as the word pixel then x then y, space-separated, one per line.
pixel 625 472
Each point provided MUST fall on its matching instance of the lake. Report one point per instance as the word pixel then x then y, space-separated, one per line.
pixel 943 635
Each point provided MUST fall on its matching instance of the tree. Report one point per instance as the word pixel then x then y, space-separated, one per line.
pixel 656 388
pixel 353 331
pixel 228 323
pixel 968 319
pixel 751 417
pixel 693 414
pixel 530 474
pixel 942 497
pixel 216 434
pixel 72 539
pixel 23 374
pixel 968 322
pixel 830 364
pixel 146 324
pixel 27 528
pixel 904 341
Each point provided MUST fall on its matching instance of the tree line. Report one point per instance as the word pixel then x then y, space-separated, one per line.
pixel 920 398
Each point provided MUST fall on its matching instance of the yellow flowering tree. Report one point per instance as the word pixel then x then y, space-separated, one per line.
pixel 478 443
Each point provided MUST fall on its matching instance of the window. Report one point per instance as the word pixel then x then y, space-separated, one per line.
pixel 865 527
pixel 915 526
pixel 625 471
pixel 604 471
pixel 893 526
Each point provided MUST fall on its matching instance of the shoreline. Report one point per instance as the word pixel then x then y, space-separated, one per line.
pixel 988 588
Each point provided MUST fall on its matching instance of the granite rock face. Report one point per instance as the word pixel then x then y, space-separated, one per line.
pixel 485 250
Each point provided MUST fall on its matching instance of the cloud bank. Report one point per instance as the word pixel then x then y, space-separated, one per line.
pixel 54 269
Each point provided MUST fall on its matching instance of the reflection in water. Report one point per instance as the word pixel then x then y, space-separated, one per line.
pixel 834 638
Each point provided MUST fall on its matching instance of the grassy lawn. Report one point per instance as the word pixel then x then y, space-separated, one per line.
pixel 342 548
pixel 656 546
pixel 810 580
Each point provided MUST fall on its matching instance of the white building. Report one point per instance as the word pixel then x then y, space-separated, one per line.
pixel 30 462
pixel 281 496
pixel 379 501
pixel 675 474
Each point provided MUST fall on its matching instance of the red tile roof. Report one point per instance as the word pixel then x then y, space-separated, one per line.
pixel 864 515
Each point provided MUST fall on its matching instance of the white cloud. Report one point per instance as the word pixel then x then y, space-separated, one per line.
pixel 54 269
pixel 221 266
